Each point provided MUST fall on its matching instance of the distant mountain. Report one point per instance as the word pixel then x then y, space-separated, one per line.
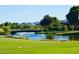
pixel 36 23
pixel 65 22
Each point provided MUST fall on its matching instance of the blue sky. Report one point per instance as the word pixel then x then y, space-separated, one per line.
pixel 31 13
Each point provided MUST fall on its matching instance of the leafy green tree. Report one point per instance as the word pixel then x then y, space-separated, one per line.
pixel 65 28
pixel 7 24
pixel 71 27
pixel 45 22
pixel 55 24
pixel 6 30
pixel 50 23
pixel 73 16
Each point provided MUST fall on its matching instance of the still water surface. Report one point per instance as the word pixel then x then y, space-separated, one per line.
pixel 33 36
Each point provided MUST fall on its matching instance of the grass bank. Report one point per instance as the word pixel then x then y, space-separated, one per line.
pixel 20 46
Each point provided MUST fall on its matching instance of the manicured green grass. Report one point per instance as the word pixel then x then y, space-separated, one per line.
pixel 22 46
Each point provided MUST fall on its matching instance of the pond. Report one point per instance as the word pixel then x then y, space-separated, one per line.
pixel 33 36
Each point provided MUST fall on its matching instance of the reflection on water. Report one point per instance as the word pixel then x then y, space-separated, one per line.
pixel 59 37
pixel 74 37
pixel 33 36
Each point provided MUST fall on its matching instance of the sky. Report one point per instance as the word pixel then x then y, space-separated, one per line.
pixel 31 13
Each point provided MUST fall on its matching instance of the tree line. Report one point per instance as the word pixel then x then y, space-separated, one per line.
pixel 49 23
pixel 53 23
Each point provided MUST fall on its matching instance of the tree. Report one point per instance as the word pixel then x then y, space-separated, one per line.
pixel 71 27
pixel 65 28
pixel 6 30
pixel 7 24
pixel 55 24
pixel 50 23
pixel 73 16
pixel 45 22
